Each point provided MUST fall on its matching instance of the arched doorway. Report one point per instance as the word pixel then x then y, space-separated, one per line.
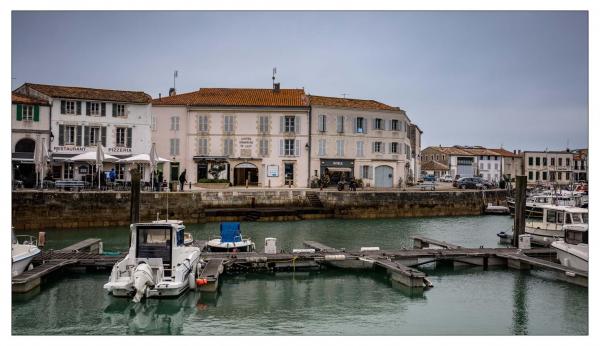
pixel 243 171
pixel 24 169
pixel 384 176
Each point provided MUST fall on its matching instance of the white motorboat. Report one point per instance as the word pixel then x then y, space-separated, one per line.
pixel 23 250
pixel 573 251
pixel 554 219
pixel 231 240
pixel 158 262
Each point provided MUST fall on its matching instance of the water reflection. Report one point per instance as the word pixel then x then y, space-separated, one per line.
pixel 519 325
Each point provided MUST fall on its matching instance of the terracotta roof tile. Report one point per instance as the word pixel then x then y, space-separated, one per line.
pixel 28 100
pixel 434 166
pixel 505 153
pixel 237 97
pixel 349 103
pixel 91 93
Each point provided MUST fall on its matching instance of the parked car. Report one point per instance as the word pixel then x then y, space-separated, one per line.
pixel 429 178
pixel 485 183
pixel 447 178
pixel 469 183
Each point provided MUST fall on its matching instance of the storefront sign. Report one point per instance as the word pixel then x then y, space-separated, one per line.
pixel 338 163
pixel 119 150
pixel 272 171
pixel 246 143
pixel 68 148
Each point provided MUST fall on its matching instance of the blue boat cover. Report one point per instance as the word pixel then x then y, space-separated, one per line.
pixel 230 232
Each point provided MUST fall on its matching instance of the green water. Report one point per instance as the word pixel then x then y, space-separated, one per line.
pixel 467 301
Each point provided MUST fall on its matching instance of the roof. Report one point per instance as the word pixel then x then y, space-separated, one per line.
pixel 349 103
pixel 480 151
pixel 434 166
pixel 71 92
pixel 455 151
pixel 505 153
pixel 234 97
pixel 27 100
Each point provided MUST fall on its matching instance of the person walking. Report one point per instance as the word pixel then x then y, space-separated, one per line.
pixel 112 175
pixel 182 180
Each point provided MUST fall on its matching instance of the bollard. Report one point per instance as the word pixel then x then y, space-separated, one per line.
pixel 41 239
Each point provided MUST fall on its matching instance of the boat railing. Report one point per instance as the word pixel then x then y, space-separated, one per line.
pixel 25 239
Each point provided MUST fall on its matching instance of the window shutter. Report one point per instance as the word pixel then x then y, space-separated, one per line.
pixel 354 120
pixel 373 147
pixel 86 139
pixel 382 146
pixel 297 148
pixel 321 123
pixel 391 148
pixel 61 135
pixel 114 110
pixel 87 108
pixel 103 135
pixel 103 109
pixel 374 123
pixel 78 141
pixel 129 134
pixel 281 147
pixel 297 125
pixel 366 124
pixel 62 107
pixel 36 113
pixel 19 112
pixel 78 108
pixel 281 120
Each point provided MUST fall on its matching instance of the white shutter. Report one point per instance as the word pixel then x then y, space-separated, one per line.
pixel 297 148
pixel 281 120
pixel 354 120
pixel 374 123
pixel 373 147
pixel 390 150
pixel 297 125
pixel 365 125
pixel 281 147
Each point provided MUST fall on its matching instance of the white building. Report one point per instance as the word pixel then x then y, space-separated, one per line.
pixel 254 135
pixel 365 139
pixel 30 127
pixel 548 167
pixel 80 118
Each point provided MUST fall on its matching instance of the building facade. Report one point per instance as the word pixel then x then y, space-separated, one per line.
pixel 543 167
pixel 80 118
pixel 459 161
pixel 257 137
pixel 364 139
pixel 30 128
pixel 580 165
pixel 512 163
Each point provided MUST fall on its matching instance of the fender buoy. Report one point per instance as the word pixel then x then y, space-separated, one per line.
pixel 201 282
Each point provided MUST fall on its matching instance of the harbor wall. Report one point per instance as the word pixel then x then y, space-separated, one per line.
pixel 37 210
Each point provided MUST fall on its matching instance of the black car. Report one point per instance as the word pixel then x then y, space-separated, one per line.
pixel 469 183
pixel 485 183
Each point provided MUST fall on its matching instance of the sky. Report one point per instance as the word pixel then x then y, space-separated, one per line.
pixel 513 79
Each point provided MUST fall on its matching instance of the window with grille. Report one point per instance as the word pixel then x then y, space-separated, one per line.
pixel 119 109
pixel 378 125
pixel 322 123
pixel 94 108
pixel 289 148
pixel 289 124
pixel 27 113
pixel 360 125
pixel 378 147
pixel 69 107
pixel 394 147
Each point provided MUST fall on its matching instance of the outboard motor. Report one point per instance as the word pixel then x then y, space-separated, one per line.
pixel 142 278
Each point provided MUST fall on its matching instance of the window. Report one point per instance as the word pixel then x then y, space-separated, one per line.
pixel 378 147
pixel 360 125
pixel 27 112
pixel 68 170
pixel 120 171
pixel 94 135
pixel 118 110
pixel 537 176
pixel 228 124
pixel 481 166
pixel 322 123
pixel 289 124
pixel 531 161
pixel 551 161
pixel 202 123
pixel 203 146
pixel 530 175
pixel 489 166
pixel 263 124
pixel 174 146
pixel 394 147
pixel 174 123
pixel 560 161
pixel 121 136
pixel 407 151
pixel 544 175
pixel 70 133
pixel 545 161
pixel 340 124
pixel 394 126
pixel 94 108
pixel 365 172
pixel 227 146
pixel 559 175
pixel 568 162
pixel 322 147
pixel 340 147
pixel 263 147
pixel 537 161
pixel 568 175
pixel 551 216
pixel 378 124
pixel 496 166
pixel 68 107
pixel 289 147
pixel 360 149
pixel 560 216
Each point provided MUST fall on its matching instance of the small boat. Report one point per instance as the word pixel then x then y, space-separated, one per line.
pixel 553 223
pixel 534 205
pixel 505 238
pixel 23 250
pixel 158 262
pixel 497 209
pixel 231 240
pixel 573 251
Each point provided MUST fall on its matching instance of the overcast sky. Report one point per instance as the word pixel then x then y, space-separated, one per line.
pixel 517 79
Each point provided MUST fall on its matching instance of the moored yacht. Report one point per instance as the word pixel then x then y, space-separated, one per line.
pixel 23 250
pixel 573 251
pixel 554 220
pixel 158 262
pixel 231 240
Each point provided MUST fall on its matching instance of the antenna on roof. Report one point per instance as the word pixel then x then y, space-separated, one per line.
pixel 175 75
pixel 274 73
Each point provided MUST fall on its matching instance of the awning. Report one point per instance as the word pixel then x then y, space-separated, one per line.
pixel 339 169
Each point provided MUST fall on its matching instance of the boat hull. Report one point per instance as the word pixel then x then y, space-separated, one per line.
pixel 21 261
pixel 569 259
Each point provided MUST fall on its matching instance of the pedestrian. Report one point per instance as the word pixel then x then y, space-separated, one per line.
pixel 182 180
pixel 112 175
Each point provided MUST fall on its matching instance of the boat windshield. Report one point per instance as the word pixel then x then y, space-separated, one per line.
pixel 575 218
pixel 154 242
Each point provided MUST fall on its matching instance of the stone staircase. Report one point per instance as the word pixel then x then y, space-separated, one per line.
pixel 314 200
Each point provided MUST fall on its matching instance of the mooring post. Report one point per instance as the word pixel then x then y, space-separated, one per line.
pixel 134 209
pixel 520 197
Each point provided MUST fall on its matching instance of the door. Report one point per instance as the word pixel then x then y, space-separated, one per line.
pixel 202 172
pixel 288 169
pixel 384 176
pixel 174 171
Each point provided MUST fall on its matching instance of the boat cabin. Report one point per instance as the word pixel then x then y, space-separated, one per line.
pixel 155 242
pixel 557 217
pixel 576 235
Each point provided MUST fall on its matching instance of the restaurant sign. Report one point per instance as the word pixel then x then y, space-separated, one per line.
pixel 119 150
pixel 69 148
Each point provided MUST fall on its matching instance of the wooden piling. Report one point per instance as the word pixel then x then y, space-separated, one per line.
pixel 134 211
pixel 520 197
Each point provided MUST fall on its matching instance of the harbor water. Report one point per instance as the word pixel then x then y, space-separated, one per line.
pixel 466 301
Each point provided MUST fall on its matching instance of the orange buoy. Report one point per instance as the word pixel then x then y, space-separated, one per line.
pixel 201 282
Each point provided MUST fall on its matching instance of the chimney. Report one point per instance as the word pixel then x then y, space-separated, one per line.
pixel 276 87
pixel 172 92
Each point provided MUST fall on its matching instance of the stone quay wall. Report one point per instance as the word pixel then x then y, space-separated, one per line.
pixel 38 210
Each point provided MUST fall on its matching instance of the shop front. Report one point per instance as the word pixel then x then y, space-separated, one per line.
pixel 211 167
pixel 337 170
